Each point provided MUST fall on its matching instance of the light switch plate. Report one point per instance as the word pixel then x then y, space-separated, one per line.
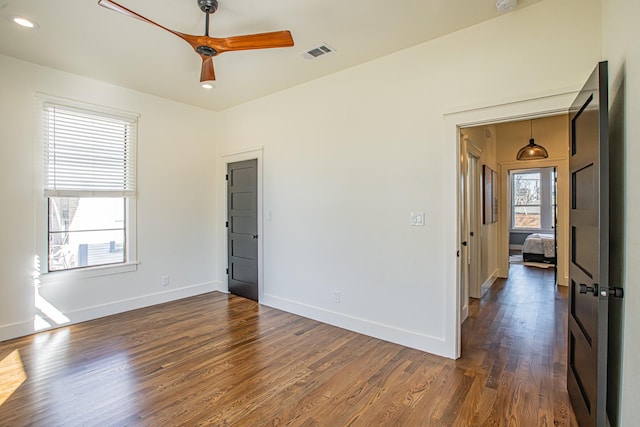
pixel 417 219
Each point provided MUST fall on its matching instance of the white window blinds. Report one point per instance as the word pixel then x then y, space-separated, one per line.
pixel 88 154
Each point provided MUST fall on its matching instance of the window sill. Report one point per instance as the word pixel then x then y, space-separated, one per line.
pixel 54 277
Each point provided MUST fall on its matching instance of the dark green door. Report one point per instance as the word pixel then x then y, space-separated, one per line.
pixel 242 228
pixel 589 251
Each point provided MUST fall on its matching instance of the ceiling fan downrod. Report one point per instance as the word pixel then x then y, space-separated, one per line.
pixel 208 7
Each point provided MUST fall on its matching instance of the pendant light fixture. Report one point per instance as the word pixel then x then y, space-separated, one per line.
pixel 532 151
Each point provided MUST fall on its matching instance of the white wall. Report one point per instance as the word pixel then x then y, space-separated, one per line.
pixel 176 200
pixel 349 156
pixel 620 38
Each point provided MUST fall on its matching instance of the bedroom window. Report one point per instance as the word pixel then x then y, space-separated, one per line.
pixel 533 199
pixel 89 184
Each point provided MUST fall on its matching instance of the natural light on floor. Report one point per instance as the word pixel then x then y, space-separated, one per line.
pixel 12 375
pixel 46 313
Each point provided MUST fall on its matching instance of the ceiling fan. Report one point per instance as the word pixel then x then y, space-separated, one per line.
pixel 208 47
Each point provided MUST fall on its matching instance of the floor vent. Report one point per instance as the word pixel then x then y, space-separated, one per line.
pixel 317 52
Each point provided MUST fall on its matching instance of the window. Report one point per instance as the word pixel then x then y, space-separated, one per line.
pixel 533 199
pixel 89 183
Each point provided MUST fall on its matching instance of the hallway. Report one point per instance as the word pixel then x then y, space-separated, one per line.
pixel 516 338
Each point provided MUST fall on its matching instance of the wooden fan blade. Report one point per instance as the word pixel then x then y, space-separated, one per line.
pixel 207 73
pixel 246 42
pixel 259 41
pixel 109 4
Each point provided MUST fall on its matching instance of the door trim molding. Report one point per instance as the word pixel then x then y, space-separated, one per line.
pixel 523 109
pixel 225 159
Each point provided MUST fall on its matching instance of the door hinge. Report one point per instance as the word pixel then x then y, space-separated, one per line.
pixel 226 177
pixel 226 224
pixel 458 254
pixel 227 271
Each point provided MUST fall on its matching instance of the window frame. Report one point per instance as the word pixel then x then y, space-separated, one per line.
pixel 50 232
pixel 41 262
pixel 546 200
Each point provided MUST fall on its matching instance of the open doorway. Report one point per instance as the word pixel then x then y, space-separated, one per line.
pixel 553 133
pixel 543 210
pixel 518 326
pixel 488 117
pixel 532 218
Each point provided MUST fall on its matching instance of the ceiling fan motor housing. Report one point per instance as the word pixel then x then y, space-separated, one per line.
pixel 208 6
pixel 206 51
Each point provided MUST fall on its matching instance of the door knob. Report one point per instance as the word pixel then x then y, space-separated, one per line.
pixel 616 292
pixel 254 236
pixel 584 289
pixel 464 243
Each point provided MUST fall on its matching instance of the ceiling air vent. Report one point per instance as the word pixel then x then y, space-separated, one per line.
pixel 317 52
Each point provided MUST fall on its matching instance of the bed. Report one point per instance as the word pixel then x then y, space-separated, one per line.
pixel 539 248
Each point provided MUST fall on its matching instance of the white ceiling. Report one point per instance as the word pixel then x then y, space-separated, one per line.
pixel 83 38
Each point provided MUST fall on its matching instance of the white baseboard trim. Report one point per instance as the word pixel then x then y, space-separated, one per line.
pixel 563 281
pixel 404 337
pixel 487 284
pixel 21 329
pixel 16 330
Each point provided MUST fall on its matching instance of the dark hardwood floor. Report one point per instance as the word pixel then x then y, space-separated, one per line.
pixel 222 360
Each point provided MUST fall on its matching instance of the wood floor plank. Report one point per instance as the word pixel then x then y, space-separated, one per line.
pixel 217 360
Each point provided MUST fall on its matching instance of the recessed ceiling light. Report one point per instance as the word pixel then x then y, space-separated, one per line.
pixel 24 22
pixel 207 85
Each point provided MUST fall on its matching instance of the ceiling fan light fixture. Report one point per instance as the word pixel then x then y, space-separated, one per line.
pixel 207 85
pixel 24 22
pixel 532 151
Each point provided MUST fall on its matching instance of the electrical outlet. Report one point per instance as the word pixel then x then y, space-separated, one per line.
pixel 417 219
pixel 165 280
pixel 336 297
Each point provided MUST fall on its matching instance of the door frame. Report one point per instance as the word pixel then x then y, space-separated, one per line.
pixel 225 159
pixel 550 104
pixel 475 221
pixel 463 203
pixel 469 193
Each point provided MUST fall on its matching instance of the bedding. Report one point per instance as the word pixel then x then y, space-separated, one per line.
pixel 539 248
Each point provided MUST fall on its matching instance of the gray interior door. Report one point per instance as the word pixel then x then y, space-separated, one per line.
pixel 242 228
pixel 589 251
